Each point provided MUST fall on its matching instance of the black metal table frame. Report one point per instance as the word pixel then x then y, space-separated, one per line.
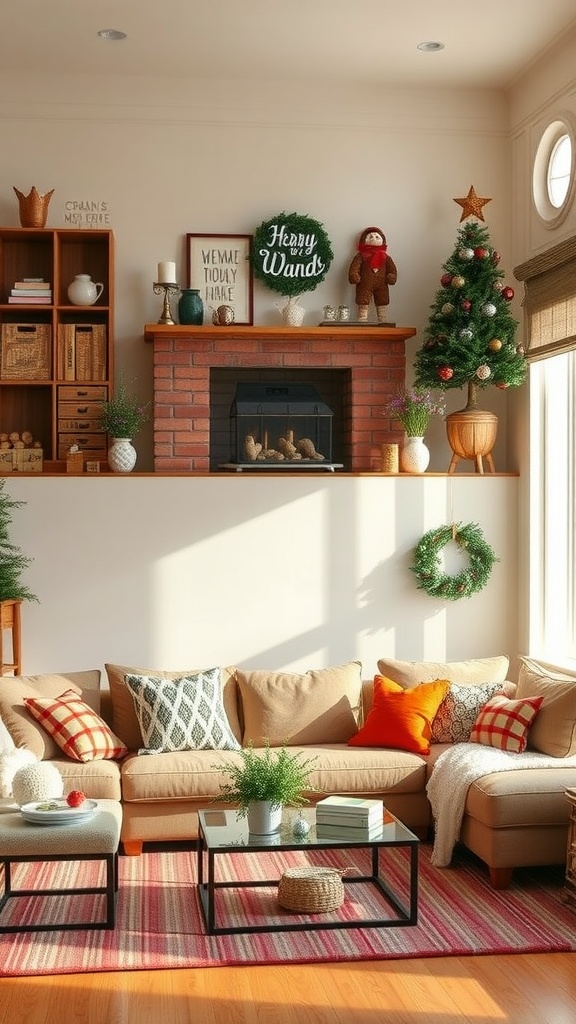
pixel 207 889
pixel 109 890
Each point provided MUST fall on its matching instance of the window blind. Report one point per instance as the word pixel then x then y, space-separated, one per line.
pixel 550 300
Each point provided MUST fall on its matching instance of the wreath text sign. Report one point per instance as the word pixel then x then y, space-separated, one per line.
pixel 292 253
pixel 220 267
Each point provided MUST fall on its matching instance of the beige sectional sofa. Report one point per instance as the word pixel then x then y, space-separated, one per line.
pixel 511 819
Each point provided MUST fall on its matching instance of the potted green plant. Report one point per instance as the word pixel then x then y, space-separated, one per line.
pixel 121 417
pixel 263 782
pixel 413 407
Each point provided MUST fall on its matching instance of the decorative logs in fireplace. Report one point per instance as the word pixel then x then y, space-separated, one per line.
pixel 281 426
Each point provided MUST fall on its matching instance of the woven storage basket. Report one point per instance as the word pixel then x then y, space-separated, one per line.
pixel 311 890
pixel 25 352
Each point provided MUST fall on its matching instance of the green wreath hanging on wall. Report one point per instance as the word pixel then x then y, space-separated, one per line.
pixel 427 565
pixel 291 253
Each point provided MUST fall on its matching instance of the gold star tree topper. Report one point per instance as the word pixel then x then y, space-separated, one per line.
pixel 472 205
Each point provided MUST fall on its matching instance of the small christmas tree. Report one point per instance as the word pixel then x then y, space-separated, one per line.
pixel 470 338
pixel 12 561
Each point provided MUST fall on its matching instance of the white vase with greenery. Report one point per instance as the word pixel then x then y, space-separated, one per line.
pixel 263 782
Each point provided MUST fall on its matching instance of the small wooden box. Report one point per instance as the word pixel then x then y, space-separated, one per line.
pixel 6 461
pixel 28 460
pixel 75 462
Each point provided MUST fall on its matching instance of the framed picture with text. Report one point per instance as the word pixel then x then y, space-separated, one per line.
pixel 220 266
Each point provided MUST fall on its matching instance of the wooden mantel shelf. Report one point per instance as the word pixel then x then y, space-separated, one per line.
pixel 357 331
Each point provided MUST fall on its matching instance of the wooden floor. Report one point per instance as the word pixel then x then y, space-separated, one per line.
pixel 523 989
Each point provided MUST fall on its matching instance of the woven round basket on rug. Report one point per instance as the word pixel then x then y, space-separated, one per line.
pixel 311 890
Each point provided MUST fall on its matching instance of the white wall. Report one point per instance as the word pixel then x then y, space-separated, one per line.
pixel 271 572
pixel 267 572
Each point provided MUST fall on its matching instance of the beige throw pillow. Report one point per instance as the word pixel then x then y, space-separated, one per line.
pixel 283 708
pixel 24 730
pixel 467 673
pixel 124 718
pixel 554 729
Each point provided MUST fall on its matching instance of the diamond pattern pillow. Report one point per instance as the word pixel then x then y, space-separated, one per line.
pixel 75 727
pixel 504 723
pixel 181 714
pixel 459 710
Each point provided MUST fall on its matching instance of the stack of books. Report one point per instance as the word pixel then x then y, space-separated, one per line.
pixel 349 817
pixel 31 291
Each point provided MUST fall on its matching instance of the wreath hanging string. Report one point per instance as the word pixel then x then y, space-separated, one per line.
pixel 428 569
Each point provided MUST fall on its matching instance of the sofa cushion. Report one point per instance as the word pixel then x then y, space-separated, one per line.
pixel 459 710
pixel 24 730
pixel 181 714
pixel 286 709
pixel 504 723
pixel 75 727
pixel 466 673
pixel 401 718
pixel 554 730
pixel 124 719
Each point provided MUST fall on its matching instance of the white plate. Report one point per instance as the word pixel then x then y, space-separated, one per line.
pixel 58 814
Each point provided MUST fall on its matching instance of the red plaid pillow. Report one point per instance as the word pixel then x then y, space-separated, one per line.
pixel 505 723
pixel 75 727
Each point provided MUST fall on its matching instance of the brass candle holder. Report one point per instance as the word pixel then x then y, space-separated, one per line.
pixel 168 289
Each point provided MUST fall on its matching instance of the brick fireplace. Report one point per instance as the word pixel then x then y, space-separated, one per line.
pixel 195 370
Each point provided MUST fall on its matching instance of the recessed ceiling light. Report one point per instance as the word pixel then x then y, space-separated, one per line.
pixel 111 33
pixel 430 46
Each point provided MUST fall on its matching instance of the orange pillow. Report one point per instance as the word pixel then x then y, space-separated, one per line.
pixel 401 718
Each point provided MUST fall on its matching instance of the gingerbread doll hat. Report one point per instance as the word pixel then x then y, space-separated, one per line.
pixel 375 253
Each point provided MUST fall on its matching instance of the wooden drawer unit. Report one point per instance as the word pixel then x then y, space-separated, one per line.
pixel 93 444
pixel 570 881
pixel 79 411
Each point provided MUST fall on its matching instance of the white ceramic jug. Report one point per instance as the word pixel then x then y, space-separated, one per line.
pixel 84 291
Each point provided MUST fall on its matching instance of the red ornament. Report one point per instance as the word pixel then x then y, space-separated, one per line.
pixel 507 293
pixel 500 384
pixel 445 373
pixel 466 305
pixel 75 798
pixel 481 253
pixel 446 280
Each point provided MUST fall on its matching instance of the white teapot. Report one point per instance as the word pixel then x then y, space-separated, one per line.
pixel 83 291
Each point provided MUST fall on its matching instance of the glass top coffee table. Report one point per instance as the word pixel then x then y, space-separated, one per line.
pixel 222 834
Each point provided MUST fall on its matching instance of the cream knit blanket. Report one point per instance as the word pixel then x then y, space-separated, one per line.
pixel 454 772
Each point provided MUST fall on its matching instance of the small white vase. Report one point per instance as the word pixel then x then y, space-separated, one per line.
pixel 414 455
pixel 83 291
pixel 264 817
pixel 122 455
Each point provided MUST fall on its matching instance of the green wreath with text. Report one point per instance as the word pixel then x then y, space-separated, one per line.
pixel 291 253
pixel 427 565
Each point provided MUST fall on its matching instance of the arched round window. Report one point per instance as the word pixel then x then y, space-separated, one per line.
pixel 553 173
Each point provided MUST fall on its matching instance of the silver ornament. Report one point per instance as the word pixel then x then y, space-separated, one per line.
pixel 466 333
pixel 483 372
pixel 300 827
pixel 489 309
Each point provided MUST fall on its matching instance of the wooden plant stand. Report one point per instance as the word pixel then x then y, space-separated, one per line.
pixel 10 620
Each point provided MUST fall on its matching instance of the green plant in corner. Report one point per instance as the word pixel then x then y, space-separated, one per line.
pixel 123 414
pixel 274 775
pixel 12 561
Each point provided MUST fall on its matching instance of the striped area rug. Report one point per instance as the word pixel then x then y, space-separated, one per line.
pixel 159 924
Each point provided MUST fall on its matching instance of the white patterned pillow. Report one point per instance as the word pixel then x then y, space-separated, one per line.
pixel 457 714
pixel 181 714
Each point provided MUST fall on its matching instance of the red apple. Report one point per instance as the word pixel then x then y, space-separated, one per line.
pixel 75 798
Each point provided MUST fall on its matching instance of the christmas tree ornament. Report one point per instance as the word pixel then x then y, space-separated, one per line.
pixel 458 281
pixel 466 254
pixel 427 565
pixel 483 372
pixel 481 253
pixel 447 308
pixel 445 373
pixel 466 305
pixel 498 286
pixel 520 350
pixel 508 293
pixel 496 257
pixel 495 345
pixel 300 827
pixel 472 205
pixel 489 309
pixel 446 280
pixel 466 334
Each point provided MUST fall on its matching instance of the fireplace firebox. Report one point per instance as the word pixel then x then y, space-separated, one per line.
pixel 280 424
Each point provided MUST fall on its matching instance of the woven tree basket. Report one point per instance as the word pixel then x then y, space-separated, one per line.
pixel 311 890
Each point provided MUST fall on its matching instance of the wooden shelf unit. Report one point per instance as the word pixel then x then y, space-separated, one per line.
pixel 58 403
pixel 10 622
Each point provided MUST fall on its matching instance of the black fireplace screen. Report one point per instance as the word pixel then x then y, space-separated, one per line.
pixel 280 423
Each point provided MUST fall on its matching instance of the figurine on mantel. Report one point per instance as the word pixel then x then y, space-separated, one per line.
pixel 372 271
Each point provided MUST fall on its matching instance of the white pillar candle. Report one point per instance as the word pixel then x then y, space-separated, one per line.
pixel 166 273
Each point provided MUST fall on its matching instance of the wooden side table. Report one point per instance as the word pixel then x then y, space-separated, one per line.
pixel 570 881
pixel 10 620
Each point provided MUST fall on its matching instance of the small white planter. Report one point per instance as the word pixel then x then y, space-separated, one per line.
pixel 264 817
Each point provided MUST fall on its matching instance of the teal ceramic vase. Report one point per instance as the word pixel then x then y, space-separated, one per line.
pixel 190 307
